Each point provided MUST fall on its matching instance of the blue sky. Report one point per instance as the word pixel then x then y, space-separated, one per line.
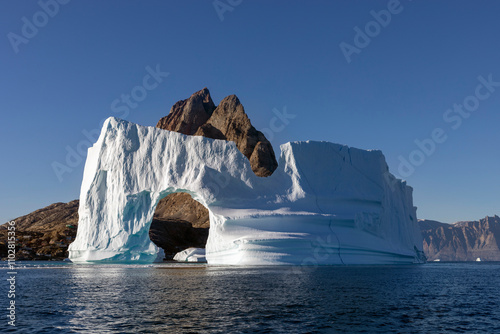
pixel 61 74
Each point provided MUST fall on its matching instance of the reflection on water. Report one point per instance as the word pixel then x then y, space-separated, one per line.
pixel 199 298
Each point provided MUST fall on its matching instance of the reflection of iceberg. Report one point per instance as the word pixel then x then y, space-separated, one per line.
pixel 325 204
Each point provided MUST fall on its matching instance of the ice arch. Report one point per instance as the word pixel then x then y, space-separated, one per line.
pixel 326 203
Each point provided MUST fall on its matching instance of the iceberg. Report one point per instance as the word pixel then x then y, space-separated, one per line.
pixel 191 255
pixel 325 203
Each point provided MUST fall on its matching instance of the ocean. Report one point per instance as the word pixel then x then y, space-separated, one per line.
pixel 60 297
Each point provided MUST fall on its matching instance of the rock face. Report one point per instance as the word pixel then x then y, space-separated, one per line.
pixel 462 241
pixel 228 121
pixel 174 235
pixel 179 223
pixel 181 206
pixel 45 233
pixel 325 203
pixel 50 218
pixel 186 116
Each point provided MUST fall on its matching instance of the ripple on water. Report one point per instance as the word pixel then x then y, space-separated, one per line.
pixel 171 298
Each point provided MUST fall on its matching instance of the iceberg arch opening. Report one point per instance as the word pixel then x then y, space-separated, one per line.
pixel 179 222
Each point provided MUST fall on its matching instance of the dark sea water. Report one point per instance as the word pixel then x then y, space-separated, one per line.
pixel 431 298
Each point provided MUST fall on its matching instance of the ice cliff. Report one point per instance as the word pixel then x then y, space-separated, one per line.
pixel 325 203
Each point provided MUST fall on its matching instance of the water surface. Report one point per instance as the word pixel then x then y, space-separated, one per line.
pixel 172 298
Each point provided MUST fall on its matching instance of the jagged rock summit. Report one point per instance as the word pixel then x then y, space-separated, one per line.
pixel 186 116
pixel 199 116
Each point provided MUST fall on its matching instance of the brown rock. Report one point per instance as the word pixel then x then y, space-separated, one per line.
pixel 198 116
pixel 232 121
pixel 179 222
pixel 462 241
pixel 262 158
pixel 207 130
pixel 175 235
pixel 51 219
pixel 186 116
pixel 181 206
pixel 44 233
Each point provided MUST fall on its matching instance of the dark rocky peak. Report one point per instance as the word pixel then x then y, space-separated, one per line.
pixel 186 116
pixel 228 121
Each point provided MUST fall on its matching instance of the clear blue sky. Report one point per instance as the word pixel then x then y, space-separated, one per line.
pixel 66 75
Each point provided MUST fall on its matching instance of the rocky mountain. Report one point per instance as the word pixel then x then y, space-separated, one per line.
pixel 182 207
pixel 198 116
pixel 44 233
pixel 462 241
pixel 187 116
pixel 179 222
pixel 49 219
